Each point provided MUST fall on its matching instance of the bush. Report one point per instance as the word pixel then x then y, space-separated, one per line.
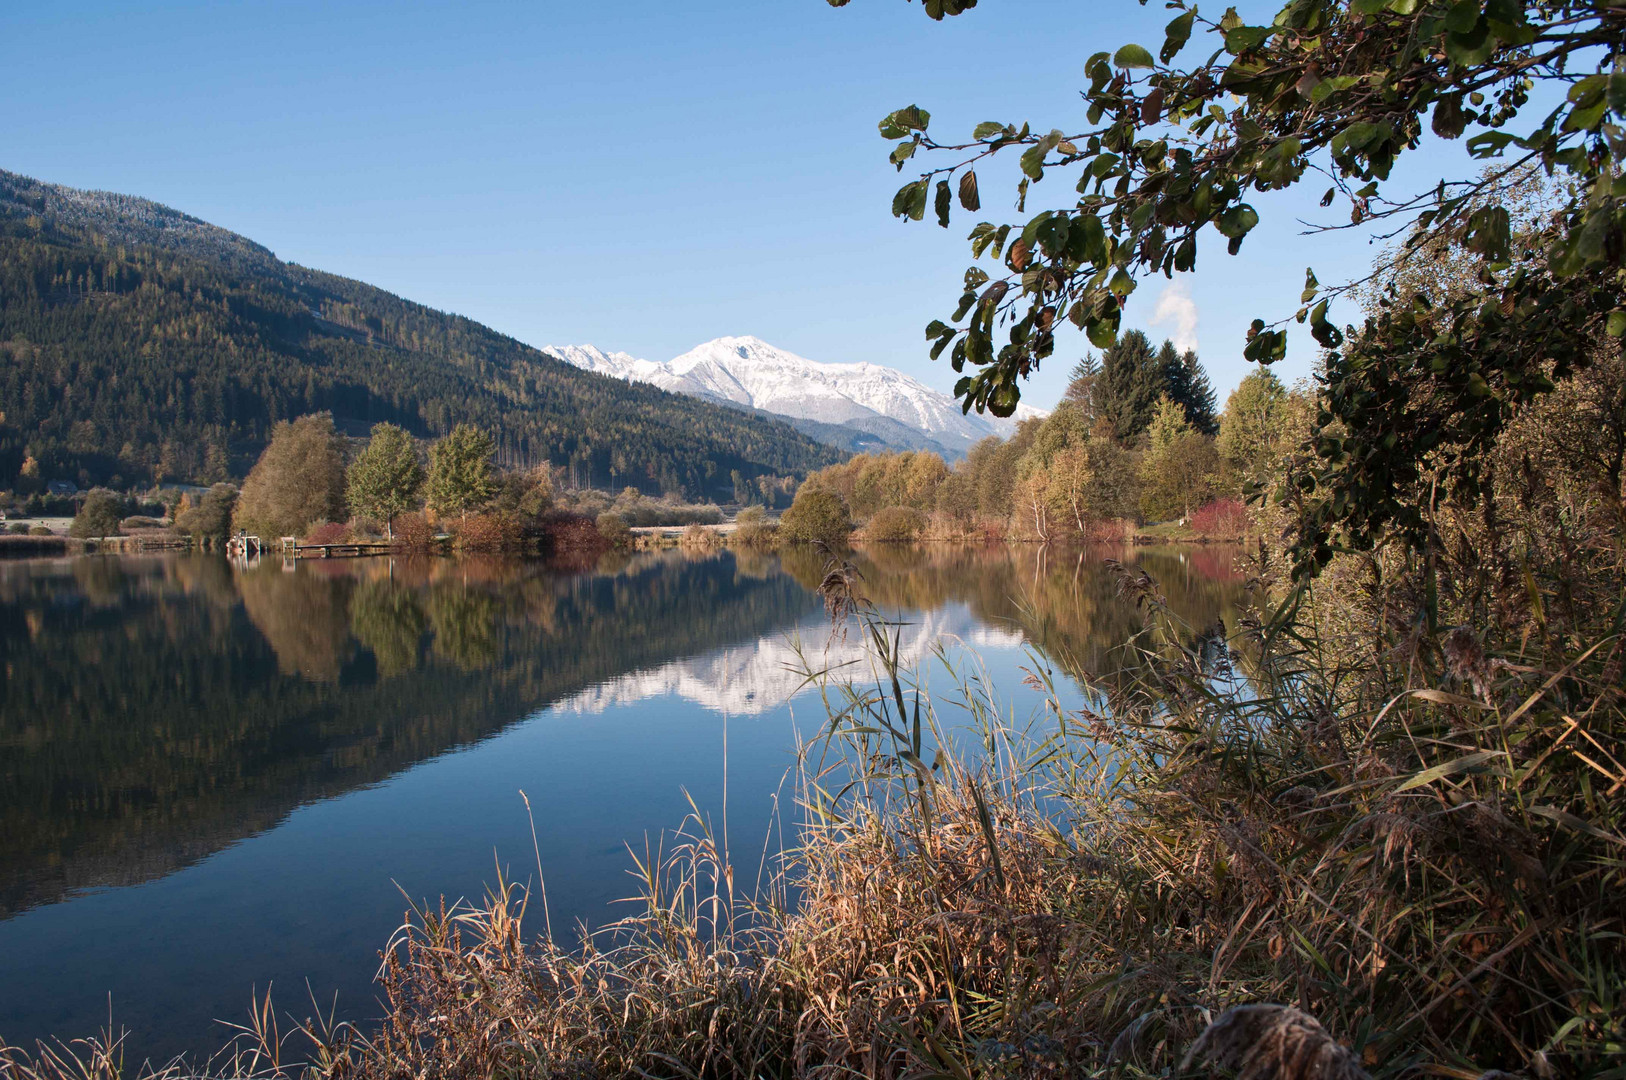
pixel 140 521
pixel 895 525
pixel 574 539
pixel 18 528
pixel 614 529
pixel 752 529
pixel 1222 519
pixel 699 538
pixel 487 532
pixel 818 515
pixel 329 532
pixel 414 531
pixel 40 530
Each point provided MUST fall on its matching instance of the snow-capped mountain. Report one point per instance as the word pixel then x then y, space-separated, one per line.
pixel 862 398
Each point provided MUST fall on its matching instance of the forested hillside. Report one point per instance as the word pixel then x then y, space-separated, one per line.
pixel 140 344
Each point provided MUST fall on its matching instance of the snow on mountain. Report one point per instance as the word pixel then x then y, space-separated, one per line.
pixel 750 373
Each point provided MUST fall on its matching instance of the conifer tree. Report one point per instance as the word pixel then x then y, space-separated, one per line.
pixel 1187 384
pixel 1127 391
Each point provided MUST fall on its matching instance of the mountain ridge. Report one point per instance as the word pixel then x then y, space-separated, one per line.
pixel 140 344
pixel 861 397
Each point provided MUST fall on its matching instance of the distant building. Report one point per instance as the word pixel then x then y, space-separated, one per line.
pixel 62 487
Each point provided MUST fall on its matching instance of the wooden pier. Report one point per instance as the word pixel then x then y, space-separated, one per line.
pixel 353 550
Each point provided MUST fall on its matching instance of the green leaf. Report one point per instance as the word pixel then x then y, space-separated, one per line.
pixel 1617 323
pixel 1237 221
pixel 910 201
pixel 1311 286
pixel 1033 161
pixel 900 122
pixel 987 130
pixel 1177 33
pixel 1244 38
pixel 1325 333
pixel 1462 16
pixel 1472 48
pixel 1133 56
pixel 903 152
pixel 1449 119
pixel 1102 329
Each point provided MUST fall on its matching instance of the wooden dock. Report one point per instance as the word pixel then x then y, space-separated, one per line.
pixel 339 551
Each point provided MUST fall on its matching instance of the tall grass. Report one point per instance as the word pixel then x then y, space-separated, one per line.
pixel 1244 855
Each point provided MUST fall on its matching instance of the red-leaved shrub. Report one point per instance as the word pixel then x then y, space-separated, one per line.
pixel 413 531
pixel 573 538
pixel 329 532
pixel 486 532
pixel 1222 519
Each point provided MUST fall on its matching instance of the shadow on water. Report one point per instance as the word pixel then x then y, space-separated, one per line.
pixel 156 712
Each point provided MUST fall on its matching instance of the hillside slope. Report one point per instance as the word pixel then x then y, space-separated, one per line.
pixel 138 343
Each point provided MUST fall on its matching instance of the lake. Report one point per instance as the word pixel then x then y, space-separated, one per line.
pixel 215 778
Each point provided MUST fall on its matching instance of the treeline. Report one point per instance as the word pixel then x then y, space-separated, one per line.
pixel 1137 438
pixel 137 348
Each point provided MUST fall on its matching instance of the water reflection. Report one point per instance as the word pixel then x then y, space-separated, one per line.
pixel 157 712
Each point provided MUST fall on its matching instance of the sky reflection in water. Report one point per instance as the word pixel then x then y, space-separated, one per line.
pixel 214 778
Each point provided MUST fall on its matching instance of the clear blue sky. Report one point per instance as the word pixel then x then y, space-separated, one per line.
pixel 637 175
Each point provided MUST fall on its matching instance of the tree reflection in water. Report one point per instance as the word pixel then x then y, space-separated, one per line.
pixel 155 710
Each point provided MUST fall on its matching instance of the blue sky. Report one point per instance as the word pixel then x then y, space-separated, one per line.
pixel 637 175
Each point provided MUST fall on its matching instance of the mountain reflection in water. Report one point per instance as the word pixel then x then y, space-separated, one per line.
pixel 156 712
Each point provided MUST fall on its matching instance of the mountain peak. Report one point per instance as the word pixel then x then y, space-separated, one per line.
pixel 749 372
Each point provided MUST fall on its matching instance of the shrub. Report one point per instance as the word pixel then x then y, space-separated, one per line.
pixel 613 527
pixel 574 539
pixel 40 530
pixel 818 515
pixel 487 532
pixel 18 528
pixel 752 529
pixel 1221 519
pixel 140 521
pixel 699 538
pixel 414 531
pixel 895 525
pixel 329 532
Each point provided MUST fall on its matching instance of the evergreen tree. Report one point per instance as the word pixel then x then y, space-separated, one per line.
pixel 1131 380
pixel 298 481
pixel 460 471
pixel 386 477
pixel 1187 385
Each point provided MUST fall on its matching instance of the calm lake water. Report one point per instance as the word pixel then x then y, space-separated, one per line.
pixel 216 778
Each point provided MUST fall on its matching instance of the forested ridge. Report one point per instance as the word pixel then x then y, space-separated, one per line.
pixel 138 344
